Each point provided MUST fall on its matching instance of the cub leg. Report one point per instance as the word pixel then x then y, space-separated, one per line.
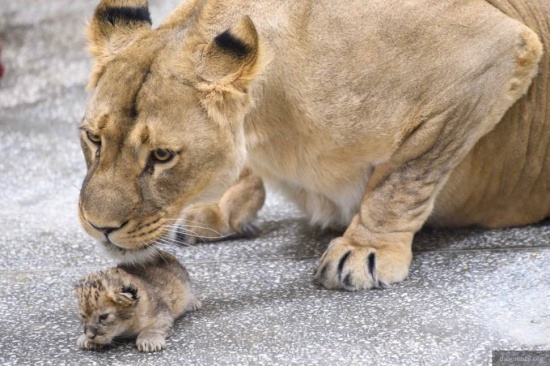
pixel 375 250
pixel 235 213
pixel 153 338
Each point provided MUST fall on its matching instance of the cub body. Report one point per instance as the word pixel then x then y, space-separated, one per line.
pixel 134 301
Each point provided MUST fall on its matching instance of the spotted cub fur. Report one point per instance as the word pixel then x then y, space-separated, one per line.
pixel 134 301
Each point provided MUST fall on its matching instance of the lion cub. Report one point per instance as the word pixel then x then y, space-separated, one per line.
pixel 129 301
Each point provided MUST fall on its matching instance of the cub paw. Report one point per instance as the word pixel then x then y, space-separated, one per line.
pixel 84 343
pixel 349 266
pixel 150 343
pixel 194 304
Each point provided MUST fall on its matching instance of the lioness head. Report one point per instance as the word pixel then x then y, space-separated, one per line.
pixel 163 125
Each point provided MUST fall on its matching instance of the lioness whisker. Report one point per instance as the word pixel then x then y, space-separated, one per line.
pixel 181 230
pixel 179 227
pixel 192 222
pixel 200 227
pixel 175 242
pixel 159 253
pixel 198 208
pixel 193 226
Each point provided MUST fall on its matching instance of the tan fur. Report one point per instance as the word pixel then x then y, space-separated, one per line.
pixel 379 115
pixel 515 155
pixel 234 213
pixel 141 301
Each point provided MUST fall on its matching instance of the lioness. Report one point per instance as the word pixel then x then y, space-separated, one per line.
pixel 377 115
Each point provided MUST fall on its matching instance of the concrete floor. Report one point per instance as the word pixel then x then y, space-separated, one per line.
pixel 469 291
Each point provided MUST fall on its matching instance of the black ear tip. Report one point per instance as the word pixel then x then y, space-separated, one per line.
pixel 124 14
pixel 232 44
pixel 130 290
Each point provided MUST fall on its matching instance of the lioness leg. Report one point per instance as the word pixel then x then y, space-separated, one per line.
pixel 235 213
pixel 375 251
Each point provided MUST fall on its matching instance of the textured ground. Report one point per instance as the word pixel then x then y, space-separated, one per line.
pixel 469 291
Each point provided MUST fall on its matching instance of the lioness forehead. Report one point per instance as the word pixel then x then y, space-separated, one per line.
pixel 140 91
pixel 116 94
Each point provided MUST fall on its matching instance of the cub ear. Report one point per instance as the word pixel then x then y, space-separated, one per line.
pixel 114 25
pixel 228 64
pixel 128 296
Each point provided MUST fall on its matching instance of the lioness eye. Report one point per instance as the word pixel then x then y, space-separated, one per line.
pixel 162 155
pixel 103 316
pixel 96 139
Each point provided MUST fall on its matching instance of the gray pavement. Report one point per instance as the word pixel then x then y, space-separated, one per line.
pixel 470 291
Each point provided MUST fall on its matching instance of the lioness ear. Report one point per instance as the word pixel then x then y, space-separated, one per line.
pixel 114 25
pixel 228 64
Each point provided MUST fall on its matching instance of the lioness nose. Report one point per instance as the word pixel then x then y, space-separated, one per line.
pixel 106 230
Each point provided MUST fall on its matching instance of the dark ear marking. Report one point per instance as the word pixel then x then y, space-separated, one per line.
pixel 124 14
pixel 232 44
pixel 130 290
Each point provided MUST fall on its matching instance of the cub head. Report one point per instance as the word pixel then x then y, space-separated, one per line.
pixel 107 302
pixel 164 122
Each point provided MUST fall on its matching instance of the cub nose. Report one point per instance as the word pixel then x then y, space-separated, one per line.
pixel 90 331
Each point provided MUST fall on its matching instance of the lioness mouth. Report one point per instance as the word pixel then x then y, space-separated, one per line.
pixel 130 256
pixel 110 244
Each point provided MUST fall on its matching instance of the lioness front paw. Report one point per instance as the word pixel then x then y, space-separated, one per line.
pixel 349 266
pixel 84 343
pixel 150 343
pixel 207 223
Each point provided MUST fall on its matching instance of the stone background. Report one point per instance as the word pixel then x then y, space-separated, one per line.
pixel 469 291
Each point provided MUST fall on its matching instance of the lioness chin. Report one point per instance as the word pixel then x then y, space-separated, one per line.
pixel 377 116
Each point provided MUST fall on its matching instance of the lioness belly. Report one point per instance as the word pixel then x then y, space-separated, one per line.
pixel 328 193
pixel 505 179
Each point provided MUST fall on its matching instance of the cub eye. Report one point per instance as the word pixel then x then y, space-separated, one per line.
pixel 103 316
pixel 162 155
pixel 96 139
